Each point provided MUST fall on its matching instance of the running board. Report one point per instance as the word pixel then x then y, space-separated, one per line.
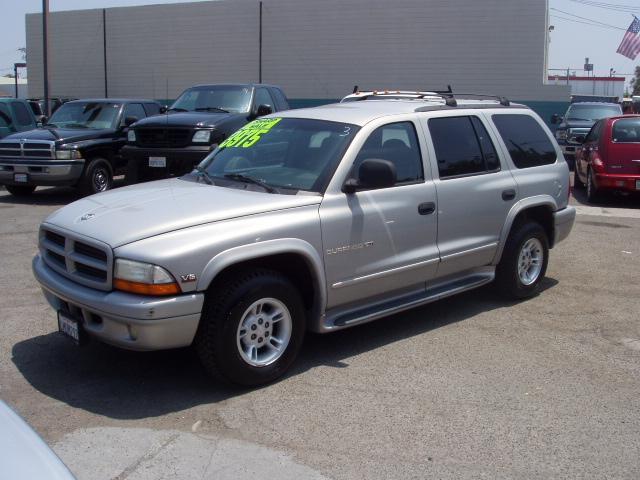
pixel 343 319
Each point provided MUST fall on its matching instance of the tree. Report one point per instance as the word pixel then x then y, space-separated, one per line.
pixel 23 52
pixel 635 82
pixel 9 75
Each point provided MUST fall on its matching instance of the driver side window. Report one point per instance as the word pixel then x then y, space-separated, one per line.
pixel 397 143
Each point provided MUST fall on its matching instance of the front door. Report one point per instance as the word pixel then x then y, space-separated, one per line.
pixel 380 242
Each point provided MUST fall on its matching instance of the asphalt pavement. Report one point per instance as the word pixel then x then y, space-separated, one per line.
pixel 468 387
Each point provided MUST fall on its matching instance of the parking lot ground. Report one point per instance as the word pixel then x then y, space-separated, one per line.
pixel 468 387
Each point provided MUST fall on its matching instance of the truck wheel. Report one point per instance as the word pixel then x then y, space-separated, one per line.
pixel 20 190
pixel 97 177
pixel 251 328
pixel 524 261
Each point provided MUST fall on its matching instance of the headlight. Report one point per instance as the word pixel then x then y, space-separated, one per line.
pixel 561 134
pixel 68 154
pixel 143 278
pixel 131 135
pixel 201 136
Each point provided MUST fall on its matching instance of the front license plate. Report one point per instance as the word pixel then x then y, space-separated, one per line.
pixel 69 326
pixel 158 162
pixel 20 177
pixel 637 184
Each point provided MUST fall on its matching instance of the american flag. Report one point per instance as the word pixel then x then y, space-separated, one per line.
pixel 630 45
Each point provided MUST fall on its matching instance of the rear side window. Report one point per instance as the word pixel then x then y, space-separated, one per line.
pixel 263 97
pixel 5 118
pixel 22 114
pixel 281 100
pixel 152 109
pixel 626 130
pixel 528 144
pixel 133 110
pixel 462 146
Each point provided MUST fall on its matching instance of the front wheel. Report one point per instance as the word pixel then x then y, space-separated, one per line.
pixel 524 261
pixel 251 328
pixel 97 177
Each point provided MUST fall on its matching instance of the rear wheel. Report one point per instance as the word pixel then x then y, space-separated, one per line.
pixel 97 177
pixel 524 261
pixel 20 190
pixel 592 192
pixel 251 328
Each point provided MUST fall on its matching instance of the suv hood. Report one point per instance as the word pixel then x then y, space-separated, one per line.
pixel 60 135
pixel 186 119
pixel 127 214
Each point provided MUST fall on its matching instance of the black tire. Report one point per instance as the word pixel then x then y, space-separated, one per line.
pixel 217 341
pixel 97 177
pixel 20 190
pixel 577 183
pixel 508 280
pixel 592 193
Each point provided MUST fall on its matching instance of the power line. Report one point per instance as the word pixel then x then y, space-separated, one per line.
pixel 582 23
pixel 588 19
pixel 615 7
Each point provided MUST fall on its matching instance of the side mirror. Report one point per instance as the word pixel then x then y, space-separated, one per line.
pixel 128 121
pixel 163 109
pixel 579 138
pixel 373 173
pixel 43 119
pixel 263 110
pixel 555 118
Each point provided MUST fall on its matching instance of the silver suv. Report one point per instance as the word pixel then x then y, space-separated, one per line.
pixel 312 220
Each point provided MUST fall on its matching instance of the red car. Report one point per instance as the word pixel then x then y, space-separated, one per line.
pixel 610 157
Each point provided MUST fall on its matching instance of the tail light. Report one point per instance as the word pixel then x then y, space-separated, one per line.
pixel 597 164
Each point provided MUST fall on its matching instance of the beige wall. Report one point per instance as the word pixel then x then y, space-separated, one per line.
pixel 314 49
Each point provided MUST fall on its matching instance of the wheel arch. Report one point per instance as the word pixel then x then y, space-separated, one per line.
pixel 294 258
pixel 539 208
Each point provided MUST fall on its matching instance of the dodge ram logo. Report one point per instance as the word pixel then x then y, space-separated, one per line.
pixel 87 216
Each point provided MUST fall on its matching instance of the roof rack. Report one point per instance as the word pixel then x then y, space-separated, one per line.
pixel 447 95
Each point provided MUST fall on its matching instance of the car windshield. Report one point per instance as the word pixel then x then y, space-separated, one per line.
pixel 592 112
pixel 225 98
pixel 281 153
pixel 86 115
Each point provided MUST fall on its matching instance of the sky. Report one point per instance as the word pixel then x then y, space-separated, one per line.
pixel 572 38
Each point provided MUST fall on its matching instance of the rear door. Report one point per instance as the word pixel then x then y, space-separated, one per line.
pixel 475 191
pixel 623 147
pixel 587 150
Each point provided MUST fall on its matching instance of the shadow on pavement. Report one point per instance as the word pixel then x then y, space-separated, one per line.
pixel 130 385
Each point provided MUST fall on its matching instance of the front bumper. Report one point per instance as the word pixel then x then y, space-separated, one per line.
pixel 41 172
pixel 617 181
pixel 182 158
pixel 563 221
pixel 129 321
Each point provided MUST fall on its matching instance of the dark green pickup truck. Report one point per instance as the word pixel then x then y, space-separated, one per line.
pixel 15 116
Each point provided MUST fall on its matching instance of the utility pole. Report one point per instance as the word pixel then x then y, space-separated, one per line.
pixel 45 55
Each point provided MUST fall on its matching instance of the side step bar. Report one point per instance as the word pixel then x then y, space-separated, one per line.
pixel 341 320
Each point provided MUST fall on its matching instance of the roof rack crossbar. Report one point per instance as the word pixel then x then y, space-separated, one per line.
pixel 448 95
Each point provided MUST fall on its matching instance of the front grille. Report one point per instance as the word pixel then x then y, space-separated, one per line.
pixel 84 261
pixel 163 137
pixel 24 149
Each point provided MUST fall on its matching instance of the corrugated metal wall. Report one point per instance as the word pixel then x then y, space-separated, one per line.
pixel 314 49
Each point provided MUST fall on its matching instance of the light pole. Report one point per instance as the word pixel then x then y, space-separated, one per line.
pixel 45 55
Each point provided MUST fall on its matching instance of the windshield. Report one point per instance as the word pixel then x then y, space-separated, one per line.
pixel 225 98
pixel 592 112
pixel 284 153
pixel 86 115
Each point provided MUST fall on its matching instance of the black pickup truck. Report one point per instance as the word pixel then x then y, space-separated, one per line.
pixel 79 146
pixel 201 118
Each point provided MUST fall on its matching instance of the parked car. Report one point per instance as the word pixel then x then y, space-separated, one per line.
pixel 15 116
pixel 80 145
pixel 577 121
pixel 38 106
pixel 609 158
pixel 201 118
pixel 315 220
pixel 23 454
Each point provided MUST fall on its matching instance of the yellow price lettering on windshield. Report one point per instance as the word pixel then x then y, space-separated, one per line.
pixel 250 134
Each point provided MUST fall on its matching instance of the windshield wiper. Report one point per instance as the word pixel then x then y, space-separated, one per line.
pixel 215 109
pixel 76 125
pixel 52 125
pixel 243 178
pixel 205 174
pixel 580 119
pixel 177 109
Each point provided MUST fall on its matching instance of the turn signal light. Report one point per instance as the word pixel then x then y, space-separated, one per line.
pixel 154 289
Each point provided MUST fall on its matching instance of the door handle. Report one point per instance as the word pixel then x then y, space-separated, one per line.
pixel 426 208
pixel 509 194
